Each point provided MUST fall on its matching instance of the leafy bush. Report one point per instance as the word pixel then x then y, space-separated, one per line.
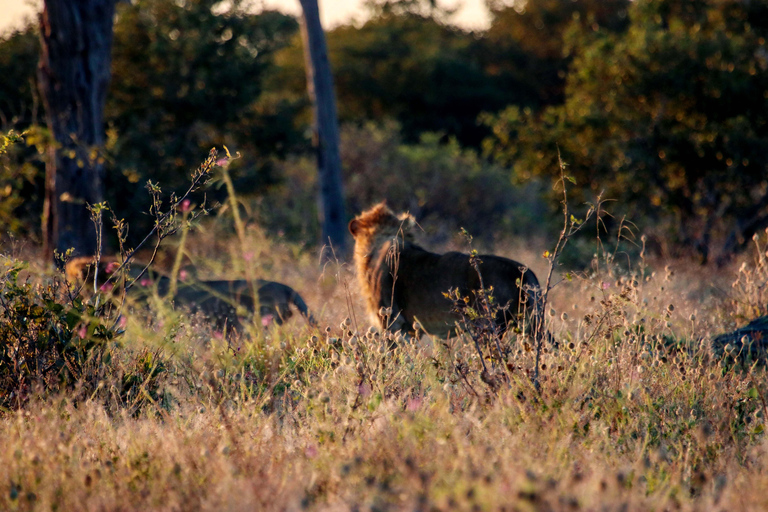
pixel 667 117
pixel 52 340
pixel 444 185
pixel 48 337
pixel 21 180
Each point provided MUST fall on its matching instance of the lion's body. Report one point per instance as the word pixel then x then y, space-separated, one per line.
pixel 225 302
pixel 394 272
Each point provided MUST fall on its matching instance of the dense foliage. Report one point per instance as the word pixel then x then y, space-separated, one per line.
pixel 668 117
pixel 50 339
pixel 445 185
pixel 407 62
pixel 185 77
pixel 526 46
pixel 659 104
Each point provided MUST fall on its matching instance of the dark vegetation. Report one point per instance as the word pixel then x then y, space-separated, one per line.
pixel 661 105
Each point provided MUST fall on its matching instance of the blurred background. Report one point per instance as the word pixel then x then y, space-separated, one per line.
pixel 456 112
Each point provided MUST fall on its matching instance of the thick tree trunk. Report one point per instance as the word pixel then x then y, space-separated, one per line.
pixel 74 74
pixel 326 128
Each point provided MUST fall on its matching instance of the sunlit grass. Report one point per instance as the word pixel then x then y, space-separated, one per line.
pixel 634 412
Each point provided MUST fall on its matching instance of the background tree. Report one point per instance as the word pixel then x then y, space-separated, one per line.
pixel 186 76
pixel 527 46
pixel 659 103
pixel 22 172
pixel 325 127
pixel 189 76
pixel 668 117
pixel 19 55
pixel 76 40
pixel 409 64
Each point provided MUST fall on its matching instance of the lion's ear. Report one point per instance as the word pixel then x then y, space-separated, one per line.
pixel 354 226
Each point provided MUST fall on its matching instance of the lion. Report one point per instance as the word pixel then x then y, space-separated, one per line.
pixel 223 301
pixel 403 283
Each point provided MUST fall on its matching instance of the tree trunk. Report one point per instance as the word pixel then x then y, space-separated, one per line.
pixel 74 74
pixel 325 129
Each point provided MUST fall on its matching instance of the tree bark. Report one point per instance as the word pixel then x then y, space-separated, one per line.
pixel 325 129
pixel 74 74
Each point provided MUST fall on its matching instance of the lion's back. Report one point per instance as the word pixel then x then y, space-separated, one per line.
pixel 424 279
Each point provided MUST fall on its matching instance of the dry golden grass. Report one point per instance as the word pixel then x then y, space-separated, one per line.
pixel 633 412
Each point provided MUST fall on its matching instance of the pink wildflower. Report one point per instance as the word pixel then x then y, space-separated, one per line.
pixel 413 404
pixel 267 319
pixel 185 205
pixel 106 287
pixel 144 282
pixel 112 266
pixel 364 390
pixel 183 275
pixel 605 285
pixel 82 331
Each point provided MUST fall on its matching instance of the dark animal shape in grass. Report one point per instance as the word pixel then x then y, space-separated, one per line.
pixel 748 341
pixel 225 302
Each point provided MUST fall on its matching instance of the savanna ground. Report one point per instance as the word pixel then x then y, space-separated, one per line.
pixel 635 411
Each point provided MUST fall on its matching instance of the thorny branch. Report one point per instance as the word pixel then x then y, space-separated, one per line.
pixel 571 226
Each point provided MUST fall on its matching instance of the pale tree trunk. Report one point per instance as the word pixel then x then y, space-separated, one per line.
pixel 325 129
pixel 74 74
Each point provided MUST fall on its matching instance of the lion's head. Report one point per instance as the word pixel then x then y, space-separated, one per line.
pixel 379 225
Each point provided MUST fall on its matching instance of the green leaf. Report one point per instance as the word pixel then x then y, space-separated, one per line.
pixel 54 307
pixel 72 318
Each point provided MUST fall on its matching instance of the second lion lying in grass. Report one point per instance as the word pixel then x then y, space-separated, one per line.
pixel 403 283
pixel 225 302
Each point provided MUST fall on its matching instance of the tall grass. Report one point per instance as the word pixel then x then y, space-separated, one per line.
pixel 634 411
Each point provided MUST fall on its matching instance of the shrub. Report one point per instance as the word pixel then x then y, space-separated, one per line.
pixel 441 183
pixel 49 338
